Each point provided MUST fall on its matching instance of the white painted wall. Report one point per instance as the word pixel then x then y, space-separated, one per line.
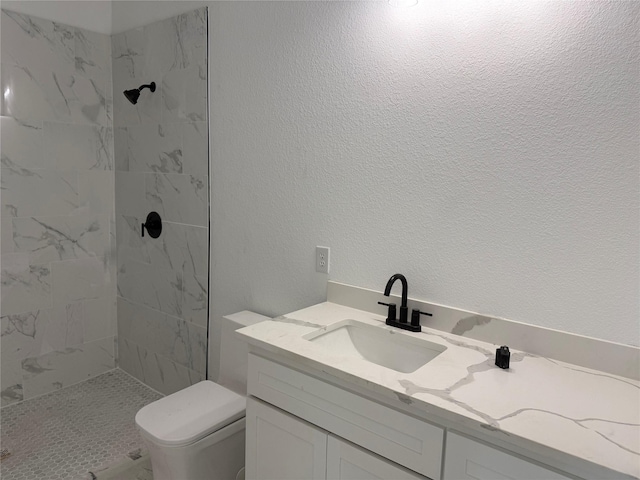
pixel 487 150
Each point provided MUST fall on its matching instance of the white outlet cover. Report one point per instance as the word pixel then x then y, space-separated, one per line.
pixel 322 259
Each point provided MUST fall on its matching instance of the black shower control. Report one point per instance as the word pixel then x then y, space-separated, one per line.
pixel 153 225
pixel 502 357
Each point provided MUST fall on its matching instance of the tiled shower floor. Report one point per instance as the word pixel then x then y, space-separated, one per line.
pixel 71 432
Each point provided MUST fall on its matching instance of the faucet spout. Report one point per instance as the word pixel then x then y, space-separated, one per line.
pixel 405 287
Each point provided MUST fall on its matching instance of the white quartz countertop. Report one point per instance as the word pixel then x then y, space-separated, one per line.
pixel 583 417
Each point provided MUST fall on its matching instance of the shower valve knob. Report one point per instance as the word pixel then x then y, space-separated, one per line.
pixel 153 225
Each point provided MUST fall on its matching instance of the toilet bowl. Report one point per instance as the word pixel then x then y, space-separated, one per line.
pixel 198 433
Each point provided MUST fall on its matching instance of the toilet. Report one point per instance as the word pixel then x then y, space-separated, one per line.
pixel 199 433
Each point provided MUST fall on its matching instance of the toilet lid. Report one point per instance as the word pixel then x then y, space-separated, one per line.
pixel 187 416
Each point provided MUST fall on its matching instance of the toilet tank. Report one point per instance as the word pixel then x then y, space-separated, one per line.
pixel 234 351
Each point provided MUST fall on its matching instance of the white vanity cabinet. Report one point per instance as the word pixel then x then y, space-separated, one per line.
pixel 281 446
pixel 301 428
pixel 468 459
pixel 401 438
pixel 346 461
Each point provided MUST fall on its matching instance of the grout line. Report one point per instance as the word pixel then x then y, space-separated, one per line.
pixel 138 380
pixel 58 390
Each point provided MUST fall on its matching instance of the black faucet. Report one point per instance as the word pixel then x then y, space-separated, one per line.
pixel 414 326
pixel 405 287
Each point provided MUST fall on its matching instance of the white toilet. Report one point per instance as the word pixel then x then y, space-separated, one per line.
pixel 198 433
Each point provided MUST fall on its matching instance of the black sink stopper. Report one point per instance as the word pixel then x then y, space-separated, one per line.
pixel 502 356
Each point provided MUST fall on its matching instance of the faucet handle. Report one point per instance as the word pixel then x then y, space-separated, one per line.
pixel 415 316
pixel 392 310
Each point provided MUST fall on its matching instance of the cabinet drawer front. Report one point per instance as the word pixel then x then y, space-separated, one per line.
pixel 468 459
pixel 348 462
pixel 387 432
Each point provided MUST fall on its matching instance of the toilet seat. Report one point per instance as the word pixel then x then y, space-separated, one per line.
pixel 189 415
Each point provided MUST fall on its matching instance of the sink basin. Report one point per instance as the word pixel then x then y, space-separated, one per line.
pixel 381 346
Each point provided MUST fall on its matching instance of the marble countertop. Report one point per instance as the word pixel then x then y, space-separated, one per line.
pixel 581 418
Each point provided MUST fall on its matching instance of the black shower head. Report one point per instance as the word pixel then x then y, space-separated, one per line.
pixel 132 95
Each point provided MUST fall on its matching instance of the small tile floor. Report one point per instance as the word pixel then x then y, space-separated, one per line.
pixel 74 431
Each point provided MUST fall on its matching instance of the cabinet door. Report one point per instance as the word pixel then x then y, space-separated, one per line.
pixel 282 447
pixel 466 459
pixel 346 461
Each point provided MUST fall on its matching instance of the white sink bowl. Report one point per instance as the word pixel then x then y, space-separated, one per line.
pixel 381 346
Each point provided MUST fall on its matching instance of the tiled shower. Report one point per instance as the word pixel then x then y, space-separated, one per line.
pixel 161 165
pixel 58 253
pixel 82 291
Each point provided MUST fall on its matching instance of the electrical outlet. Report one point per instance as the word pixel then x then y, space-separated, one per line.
pixel 322 259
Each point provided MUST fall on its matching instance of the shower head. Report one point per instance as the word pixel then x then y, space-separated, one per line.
pixel 132 95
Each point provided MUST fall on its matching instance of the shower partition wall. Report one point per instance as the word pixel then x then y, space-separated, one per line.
pixel 161 161
pixel 57 205
pixel 81 169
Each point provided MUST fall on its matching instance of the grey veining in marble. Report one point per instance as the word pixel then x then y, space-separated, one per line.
pixel 195 299
pixel 57 204
pixel 578 420
pixel 180 248
pixel 11 391
pixel 37 43
pixel 302 323
pixel 57 72
pixel 193 32
pixel 22 143
pixel 154 148
pixel 66 367
pixel 6 233
pixel 184 94
pixel 48 239
pixel 54 96
pixel 65 328
pixel 589 352
pixel 81 147
pixel 80 279
pixel 130 244
pixel 22 335
pixel 155 370
pixel 92 54
pixel 152 287
pixel 128 53
pixel 161 162
pixel 171 337
pixel 179 198
pixel 25 287
pixel 38 192
pixel 167 336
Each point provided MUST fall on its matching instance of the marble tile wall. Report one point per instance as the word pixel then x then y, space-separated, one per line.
pixel 161 164
pixel 57 259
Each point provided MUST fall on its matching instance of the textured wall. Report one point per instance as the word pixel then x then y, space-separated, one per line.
pixel 58 276
pixel 487 150
pixel 161 152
